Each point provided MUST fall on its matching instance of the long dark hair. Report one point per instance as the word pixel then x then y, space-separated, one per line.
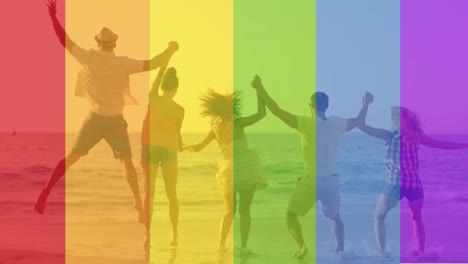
pixel 170 80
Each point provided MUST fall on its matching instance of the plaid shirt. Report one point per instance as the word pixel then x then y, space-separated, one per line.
pixel 402 163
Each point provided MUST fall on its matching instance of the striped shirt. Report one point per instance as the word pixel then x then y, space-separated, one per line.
pixel 402 162
pixel 104 80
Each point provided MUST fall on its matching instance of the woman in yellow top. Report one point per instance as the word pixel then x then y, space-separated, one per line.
pixel 161 141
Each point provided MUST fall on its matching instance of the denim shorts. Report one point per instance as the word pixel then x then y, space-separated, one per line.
pixel 397 193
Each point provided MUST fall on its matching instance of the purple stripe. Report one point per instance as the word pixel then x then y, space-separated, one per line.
pixel 434 84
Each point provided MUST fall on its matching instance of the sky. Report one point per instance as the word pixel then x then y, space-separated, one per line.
pixel 278 44
pixel 203 61
pixel 41 78
pixel 343 48
pixel 358 50
pixel 434 61
pixel 223 45
pixel 32 66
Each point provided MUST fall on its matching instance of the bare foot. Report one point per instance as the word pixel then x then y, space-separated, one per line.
pixel 141 212
pixel 41 200
pixel 222 249
pixel 301 252
pixel 344 256
pixel 173 242
pixel 146 243
pixel 383 255
pixel 245 253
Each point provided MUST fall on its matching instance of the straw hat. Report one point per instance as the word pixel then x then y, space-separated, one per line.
pixel 106 37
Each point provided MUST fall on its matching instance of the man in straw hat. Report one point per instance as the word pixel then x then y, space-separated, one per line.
pixel 104 80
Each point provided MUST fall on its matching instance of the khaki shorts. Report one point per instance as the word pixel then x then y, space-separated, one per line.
pixel 324 189
pixel 113 129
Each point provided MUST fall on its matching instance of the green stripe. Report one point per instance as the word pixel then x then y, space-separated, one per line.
pixel 277 40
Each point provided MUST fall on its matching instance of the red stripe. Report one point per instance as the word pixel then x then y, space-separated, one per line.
pixel 32 82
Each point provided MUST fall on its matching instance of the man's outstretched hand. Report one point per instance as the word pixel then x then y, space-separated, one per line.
pixel 257 83
pixel 52 6
pixel 368 98
pixel 173 45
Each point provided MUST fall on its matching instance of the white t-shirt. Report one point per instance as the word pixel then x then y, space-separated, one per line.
pixel 320 143
pixel 104 80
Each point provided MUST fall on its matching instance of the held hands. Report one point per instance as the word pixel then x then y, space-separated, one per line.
pixel 52 7
pixel 191 148
pixel 367 99
pixel 257 83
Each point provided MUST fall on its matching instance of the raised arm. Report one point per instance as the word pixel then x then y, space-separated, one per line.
pixel 59 30
pixel 361 117
pixel 159 77
pixel 434 143
pixel 288 118
pixel 375 132
pixel 162 58
pixel 202 145
pixel 261 111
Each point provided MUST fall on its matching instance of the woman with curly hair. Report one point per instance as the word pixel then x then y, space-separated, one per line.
pixel 402 167
pixel 240 169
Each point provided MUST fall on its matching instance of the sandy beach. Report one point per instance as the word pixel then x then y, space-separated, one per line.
pixel 98 224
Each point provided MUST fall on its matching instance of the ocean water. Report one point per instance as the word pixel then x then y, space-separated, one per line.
pixel 97 177
pixel 96 188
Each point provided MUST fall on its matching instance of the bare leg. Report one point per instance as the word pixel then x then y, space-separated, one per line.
pixel 384 205
pixel 295 229
pixel 149 182
pixel 58 173
pixel 418 226
pixel 226 222
pixel 169 171
pixel 245 203
pixel 132 180
pixel 338 232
